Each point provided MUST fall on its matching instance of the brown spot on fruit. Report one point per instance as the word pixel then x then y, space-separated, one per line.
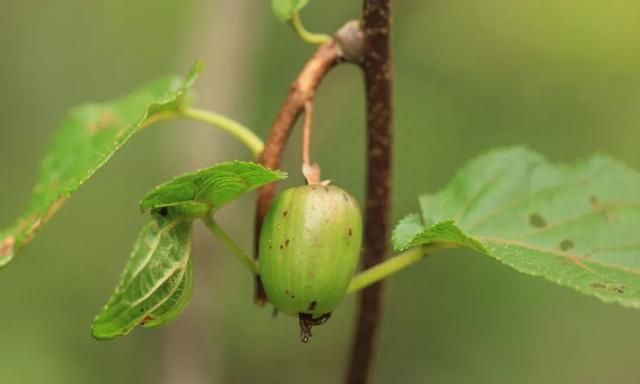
pixel 566 244
pixel 536 220
pixel 312 305
pixel 350 232
pixel 285 213
pixel 286 243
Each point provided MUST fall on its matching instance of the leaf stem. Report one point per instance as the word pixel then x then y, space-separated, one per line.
pixel 241 255
pixel 309 37
pixel 386 268
pixel 232 127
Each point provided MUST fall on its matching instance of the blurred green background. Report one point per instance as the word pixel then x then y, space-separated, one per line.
pixel 562 77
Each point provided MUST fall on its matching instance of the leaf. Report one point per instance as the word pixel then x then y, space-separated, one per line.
pixel 174 304
pixel 157 281
pixel 87 138
pixel 575 225
pixel 284 9
pixel 210 188
pixel 410 232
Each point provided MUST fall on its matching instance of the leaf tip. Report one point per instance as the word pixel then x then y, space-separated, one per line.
pixel 102 331
pixel 196 69
pixel 404 232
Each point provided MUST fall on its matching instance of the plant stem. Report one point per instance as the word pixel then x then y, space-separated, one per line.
pixel 311 38
pixel 386 269
pixel 377 67
pixel 219 233
pixel 232 127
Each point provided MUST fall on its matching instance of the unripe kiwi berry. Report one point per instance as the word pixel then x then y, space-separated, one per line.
pixel 309 250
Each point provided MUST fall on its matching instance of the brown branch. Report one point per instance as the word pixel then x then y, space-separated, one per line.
pixel 378 82
pixel 345 47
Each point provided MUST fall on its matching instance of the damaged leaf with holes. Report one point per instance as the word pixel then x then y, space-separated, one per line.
pixel 86 140
pixel 576 225
pixel 157 281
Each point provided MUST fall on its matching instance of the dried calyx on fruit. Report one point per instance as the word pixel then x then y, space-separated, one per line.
pixel 309 250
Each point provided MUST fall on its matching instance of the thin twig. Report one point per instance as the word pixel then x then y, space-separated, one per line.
pixel 378 82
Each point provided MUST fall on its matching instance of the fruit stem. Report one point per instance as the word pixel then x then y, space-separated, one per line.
pixel 311 171
pixel 309 37
pixel 232 127
pixel 221 235
pixel 306 132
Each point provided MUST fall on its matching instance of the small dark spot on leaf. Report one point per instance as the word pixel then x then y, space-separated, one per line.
pixel 566 244
pixel 164 211
pixel 616 288
pixel 536 220
pixel 146 319
pixel 608 287
pixel 312 305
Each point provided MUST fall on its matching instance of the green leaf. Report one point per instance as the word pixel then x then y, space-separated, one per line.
pixel 284 9
pixel 157 282
pixel 208 189
pixel 174 304
pixel 87 138
pixel 575 225
pixel 411 232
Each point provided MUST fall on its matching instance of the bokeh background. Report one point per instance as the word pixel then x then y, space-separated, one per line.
pixel 562 77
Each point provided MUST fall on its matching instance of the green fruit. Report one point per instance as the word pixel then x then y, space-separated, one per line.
pixel 309 250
